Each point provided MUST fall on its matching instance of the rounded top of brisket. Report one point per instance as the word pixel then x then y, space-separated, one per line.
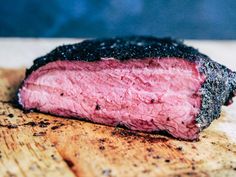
pixel 121 48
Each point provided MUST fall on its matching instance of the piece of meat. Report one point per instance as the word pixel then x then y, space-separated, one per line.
pixel 143 83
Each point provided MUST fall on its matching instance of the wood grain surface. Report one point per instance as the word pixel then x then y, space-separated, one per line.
pixel 35 144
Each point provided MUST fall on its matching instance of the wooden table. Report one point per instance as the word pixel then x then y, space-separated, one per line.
pixel 34 144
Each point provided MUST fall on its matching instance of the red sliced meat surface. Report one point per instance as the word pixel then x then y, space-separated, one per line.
pixel 142 94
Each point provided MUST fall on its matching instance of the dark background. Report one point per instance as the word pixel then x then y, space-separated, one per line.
pixel 192 19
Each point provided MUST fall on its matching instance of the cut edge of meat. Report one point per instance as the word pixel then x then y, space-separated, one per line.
pixel 149 73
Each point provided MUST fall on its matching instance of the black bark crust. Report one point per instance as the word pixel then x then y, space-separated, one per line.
pixel 217 90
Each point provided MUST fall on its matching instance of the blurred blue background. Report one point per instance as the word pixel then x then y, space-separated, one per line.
pixel 192 19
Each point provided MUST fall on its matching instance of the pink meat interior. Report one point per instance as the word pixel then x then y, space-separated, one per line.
pixel 146 95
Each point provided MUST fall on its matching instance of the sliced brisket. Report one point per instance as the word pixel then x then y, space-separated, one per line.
pixel 144 83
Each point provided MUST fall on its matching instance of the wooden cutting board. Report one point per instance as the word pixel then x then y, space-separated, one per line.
pixel 35 144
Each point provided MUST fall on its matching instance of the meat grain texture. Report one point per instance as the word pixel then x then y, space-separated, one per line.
pixel 143 83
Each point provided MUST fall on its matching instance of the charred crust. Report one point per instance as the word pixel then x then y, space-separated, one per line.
pixel 120 48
